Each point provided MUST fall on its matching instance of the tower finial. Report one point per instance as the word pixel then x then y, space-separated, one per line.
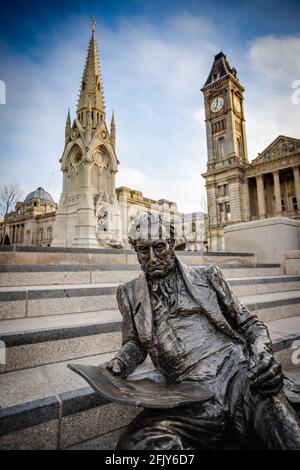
pixel 91 82
pixel 93 24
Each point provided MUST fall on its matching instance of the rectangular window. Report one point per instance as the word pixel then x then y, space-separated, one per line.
pixel 219 126
pixel 294 203
pixel 221 217
pixel 223 190
pixel 227 211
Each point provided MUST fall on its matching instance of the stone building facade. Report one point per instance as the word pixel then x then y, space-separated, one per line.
pixel 239 191
pixel 132 204
pixel 32 221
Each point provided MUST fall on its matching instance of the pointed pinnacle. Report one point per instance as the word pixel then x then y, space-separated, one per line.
pixel 93 25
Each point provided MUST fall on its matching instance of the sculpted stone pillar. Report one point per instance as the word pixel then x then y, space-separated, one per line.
pixel 277 193
pixel 261 196
pixel 297 185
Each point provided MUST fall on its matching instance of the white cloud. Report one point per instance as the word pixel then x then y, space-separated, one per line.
pixel 273 66
pixel 152 78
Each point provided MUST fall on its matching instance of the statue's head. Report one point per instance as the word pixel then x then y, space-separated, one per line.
pixel 153 238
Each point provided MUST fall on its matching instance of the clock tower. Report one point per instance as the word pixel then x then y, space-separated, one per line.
pixel 226 149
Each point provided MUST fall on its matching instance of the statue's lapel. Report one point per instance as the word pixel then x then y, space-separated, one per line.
pixel 142 309
pixel 206 297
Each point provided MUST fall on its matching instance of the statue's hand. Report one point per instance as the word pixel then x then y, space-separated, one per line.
pixel 117 367
pixel 266 375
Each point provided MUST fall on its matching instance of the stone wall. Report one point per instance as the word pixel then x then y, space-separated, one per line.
pixel 268 238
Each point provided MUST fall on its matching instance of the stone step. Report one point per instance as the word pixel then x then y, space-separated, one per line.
pixel 52 407
pixel 245 286
pixel 43 340
pixel 35 301
pixel 49 255
pixel 45 300
pixel 35 341
pixel 36 274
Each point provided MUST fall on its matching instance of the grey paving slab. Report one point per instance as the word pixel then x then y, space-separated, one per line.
pixel 37 249
pixel 33 268
pixel 26 385
pixel 106 441
pixel 284 326
pixel 81 286
pixel 59 334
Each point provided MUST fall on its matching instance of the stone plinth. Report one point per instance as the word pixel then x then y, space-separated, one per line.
pixel 268 238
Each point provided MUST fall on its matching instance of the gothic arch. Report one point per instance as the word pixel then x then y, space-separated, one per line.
pixel 112 160
pixel 70 149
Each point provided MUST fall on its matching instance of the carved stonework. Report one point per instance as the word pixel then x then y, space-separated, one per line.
pixel 77 157
pixel 281 147
pixel 74 134
pixel 100 158
pixel 103 220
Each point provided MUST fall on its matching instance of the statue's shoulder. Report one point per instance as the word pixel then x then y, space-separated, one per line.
pixel 203 270
pixel 129 286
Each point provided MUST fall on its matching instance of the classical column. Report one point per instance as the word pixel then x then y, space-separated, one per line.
pixel 297 185
pixel 247 200
pixel 261 196
pixel 277 193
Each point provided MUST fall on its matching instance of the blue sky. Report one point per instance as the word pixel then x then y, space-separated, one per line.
pixel 155 56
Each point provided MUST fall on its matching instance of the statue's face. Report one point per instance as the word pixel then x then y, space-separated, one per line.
pixel 156 257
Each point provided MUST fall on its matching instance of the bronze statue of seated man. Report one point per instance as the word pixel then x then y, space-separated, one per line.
pixel 194 328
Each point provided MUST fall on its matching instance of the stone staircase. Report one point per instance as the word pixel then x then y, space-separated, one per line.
pixel 59 305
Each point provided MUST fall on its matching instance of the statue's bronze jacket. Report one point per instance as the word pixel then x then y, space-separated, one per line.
pixel 207 286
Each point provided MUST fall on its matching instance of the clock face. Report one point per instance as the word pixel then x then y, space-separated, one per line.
pixel 237 104
pixel 217 104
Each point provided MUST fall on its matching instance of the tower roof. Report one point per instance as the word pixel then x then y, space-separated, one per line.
pixel 39 193
pixel 220 68
pixel 91 84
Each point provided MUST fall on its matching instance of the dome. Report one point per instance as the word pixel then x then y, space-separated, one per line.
pixel 39 193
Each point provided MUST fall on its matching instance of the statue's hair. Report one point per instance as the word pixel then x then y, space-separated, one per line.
pixel 151 226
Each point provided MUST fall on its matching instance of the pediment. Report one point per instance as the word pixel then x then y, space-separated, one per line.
pixel 280 147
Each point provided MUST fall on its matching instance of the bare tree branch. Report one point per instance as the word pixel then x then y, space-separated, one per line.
pixel 10 194
pixel 203 202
